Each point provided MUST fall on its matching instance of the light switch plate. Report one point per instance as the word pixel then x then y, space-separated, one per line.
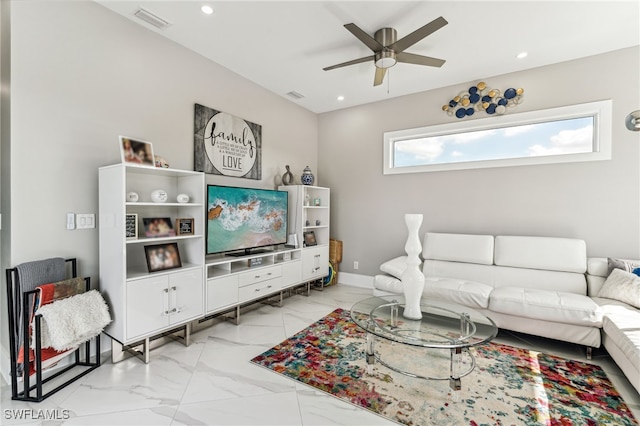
pixel 86 221
pixel 71 221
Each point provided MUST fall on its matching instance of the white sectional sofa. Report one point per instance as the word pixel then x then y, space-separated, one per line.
pixel 537 285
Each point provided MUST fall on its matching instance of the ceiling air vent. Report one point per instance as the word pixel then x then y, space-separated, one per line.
pixel 295 95
pixel 152 19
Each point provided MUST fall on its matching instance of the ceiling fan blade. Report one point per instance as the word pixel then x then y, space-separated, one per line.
pixel 380 72
pixel 369 41
pixel 418 34
pixel 411 58
pixel 355 61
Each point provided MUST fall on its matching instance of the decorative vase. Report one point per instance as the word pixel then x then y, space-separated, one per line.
pixel 412 278
pixel 287 178
pixel 307 177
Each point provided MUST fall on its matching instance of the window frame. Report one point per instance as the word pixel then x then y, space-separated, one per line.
pixel 599 110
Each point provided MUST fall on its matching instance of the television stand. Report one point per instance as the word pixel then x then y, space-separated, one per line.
pixel 247 252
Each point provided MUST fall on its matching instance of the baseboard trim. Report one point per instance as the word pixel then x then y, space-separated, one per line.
pixel 355 280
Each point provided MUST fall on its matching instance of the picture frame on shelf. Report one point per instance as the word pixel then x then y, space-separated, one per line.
pixel 161 257
pixel 131 226
pixel 185 226
pixel 156 227
pixel 309 238
pixel 136 152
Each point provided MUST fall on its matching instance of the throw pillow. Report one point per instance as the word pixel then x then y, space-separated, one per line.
pixel 395 267
pixel 623 286
pixel 625 265
pixel 637 271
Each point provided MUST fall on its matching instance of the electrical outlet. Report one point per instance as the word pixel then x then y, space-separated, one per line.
pixel 355 264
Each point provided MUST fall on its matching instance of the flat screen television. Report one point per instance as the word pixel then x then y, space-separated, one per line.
pixel 241 220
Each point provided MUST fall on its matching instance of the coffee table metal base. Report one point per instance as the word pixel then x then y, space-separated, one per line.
pixel 454 377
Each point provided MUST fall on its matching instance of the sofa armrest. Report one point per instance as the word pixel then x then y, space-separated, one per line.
pixel 395 267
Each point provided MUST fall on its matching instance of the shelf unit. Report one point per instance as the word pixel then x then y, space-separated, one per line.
pixel 309 211
pixel 145 305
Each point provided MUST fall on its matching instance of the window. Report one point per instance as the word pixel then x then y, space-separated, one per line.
pixel 557 135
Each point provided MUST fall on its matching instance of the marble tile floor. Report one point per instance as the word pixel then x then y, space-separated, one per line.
pixel 212 382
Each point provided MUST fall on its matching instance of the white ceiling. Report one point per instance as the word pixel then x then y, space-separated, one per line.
pixel 283 45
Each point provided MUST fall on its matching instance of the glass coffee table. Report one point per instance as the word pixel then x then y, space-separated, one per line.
pixel 411 345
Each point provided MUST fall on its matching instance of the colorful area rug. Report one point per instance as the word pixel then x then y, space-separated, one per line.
pixel 509 386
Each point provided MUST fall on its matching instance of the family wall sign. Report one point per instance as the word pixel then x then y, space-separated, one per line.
pixel 226 145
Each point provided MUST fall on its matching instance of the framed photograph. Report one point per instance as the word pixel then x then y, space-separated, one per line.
pixel 162 256
pixel 155 227
pixel 184 226
pixel 309 238
pixel 136 152
pixel 131 226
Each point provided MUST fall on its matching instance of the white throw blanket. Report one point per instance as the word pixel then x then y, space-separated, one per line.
pixel 69 322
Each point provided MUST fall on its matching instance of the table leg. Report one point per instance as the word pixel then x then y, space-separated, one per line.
pixel 371 358
pixel 394 316
pixel 454 378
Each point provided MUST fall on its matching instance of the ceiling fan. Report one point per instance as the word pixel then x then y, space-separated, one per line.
pixel 388 51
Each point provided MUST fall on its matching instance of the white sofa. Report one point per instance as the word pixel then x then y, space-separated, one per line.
pixel 537 285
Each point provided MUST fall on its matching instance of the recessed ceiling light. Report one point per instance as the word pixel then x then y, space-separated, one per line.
pixel 341 98
pixel 521 55
pixel 207 9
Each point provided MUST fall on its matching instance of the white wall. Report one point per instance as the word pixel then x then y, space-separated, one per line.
pixel 595 201
pixel 81 76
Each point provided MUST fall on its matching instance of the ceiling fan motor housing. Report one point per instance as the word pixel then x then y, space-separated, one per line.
pixel 386 58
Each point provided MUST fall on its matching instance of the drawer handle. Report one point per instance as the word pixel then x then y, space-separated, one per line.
pixel 260 289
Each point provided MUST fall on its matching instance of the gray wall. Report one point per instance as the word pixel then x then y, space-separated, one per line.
pixel 87 76
pixel 81 76
pixel 594 201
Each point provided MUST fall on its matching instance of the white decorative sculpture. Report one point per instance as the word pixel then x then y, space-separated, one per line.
pixel 412 277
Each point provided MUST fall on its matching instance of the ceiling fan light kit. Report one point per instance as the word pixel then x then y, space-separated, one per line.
pixel 483 98
pixel 388 50
pixel 632 121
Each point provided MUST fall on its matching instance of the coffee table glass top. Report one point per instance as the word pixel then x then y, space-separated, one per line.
pixel 444 325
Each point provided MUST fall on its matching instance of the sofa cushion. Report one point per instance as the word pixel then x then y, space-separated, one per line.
pixel 623 286
pixel 598 266
pixel 468 293
pixel 460 270
pixel 547 305
pixel 548 253
pixel 395 267
pixel 539 279
pixel 458 248
pixel 621 323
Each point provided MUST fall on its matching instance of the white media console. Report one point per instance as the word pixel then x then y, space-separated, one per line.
pixel 145 305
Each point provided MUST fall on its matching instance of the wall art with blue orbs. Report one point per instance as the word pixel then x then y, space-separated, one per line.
pixel 482 98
